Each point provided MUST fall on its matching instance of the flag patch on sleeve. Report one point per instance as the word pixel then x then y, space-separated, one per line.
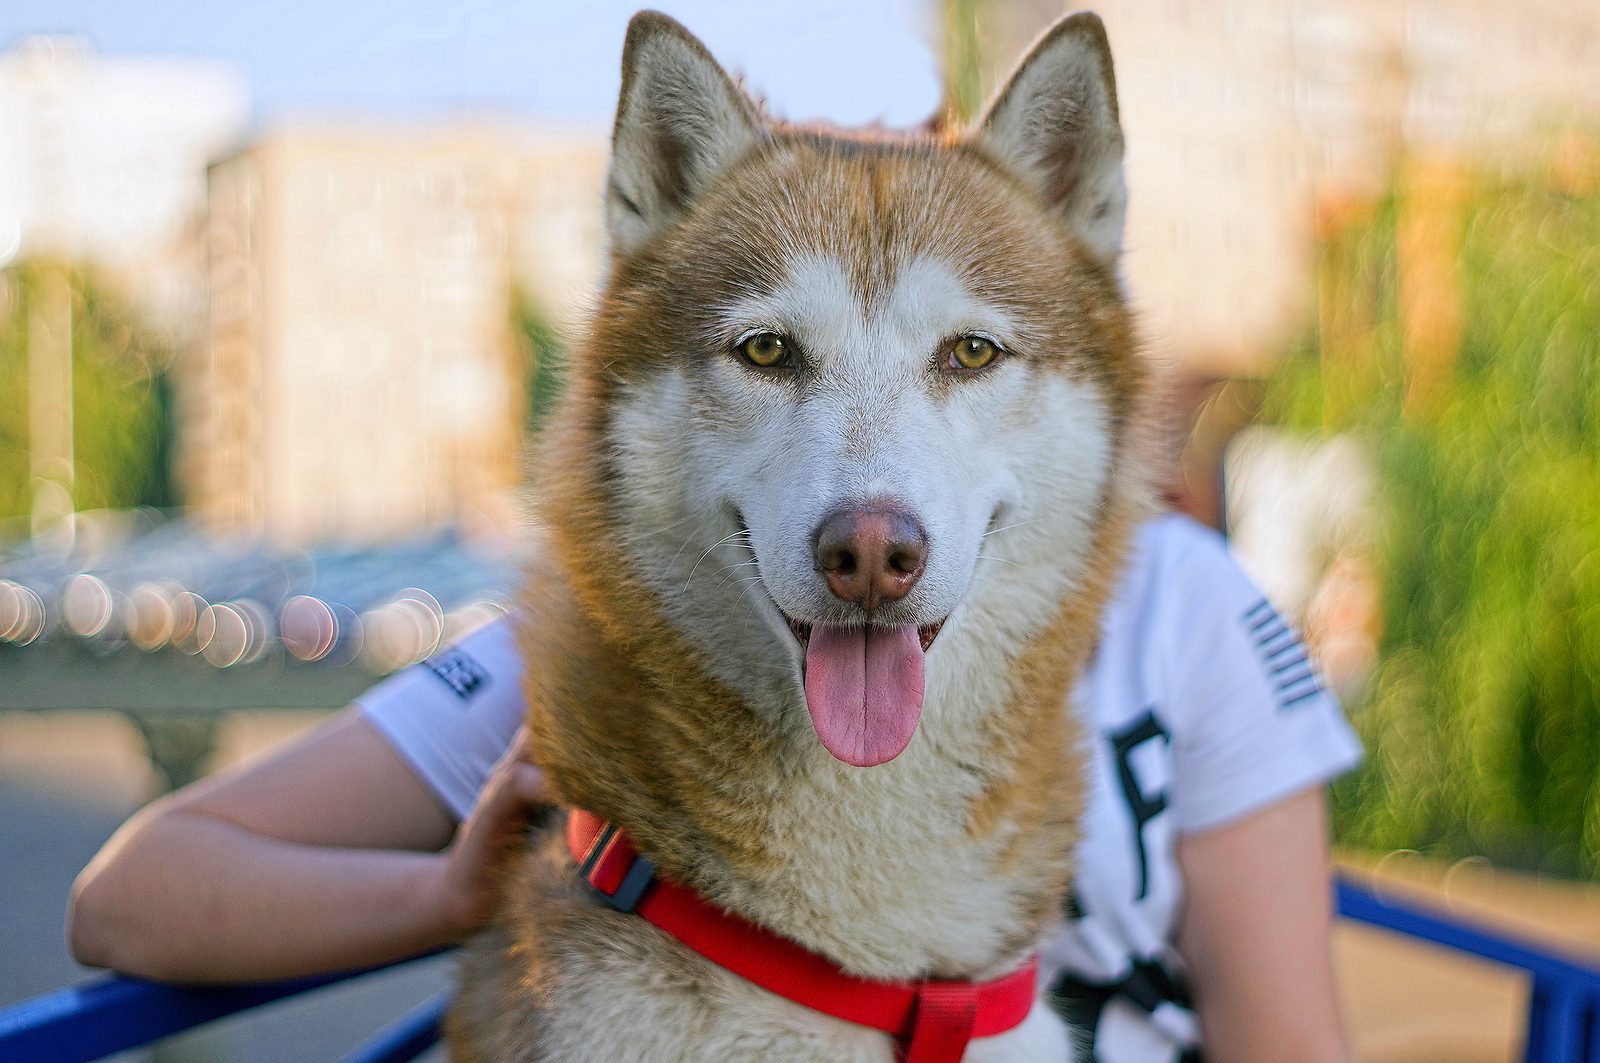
pixel 459 672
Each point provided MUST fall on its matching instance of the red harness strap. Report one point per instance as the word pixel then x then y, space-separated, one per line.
pixel 933 1021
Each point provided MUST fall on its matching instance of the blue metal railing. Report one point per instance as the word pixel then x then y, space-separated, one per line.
pixel 407 1037
pixel 1564 997
pixel 111 1014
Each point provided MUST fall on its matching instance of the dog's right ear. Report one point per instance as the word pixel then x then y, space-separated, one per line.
pixel 1056 124
pixel 680 122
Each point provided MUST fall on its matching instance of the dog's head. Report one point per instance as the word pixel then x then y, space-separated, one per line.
pixel 860 395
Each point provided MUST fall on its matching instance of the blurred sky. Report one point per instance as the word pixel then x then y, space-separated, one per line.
pixel 852 61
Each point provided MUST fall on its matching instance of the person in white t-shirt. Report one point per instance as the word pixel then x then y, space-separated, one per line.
pixel 1203 861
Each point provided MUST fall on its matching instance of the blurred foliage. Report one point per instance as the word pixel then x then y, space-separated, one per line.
pixel 1482 718
pixel 543 356
pixel 963 61
pixel 122 399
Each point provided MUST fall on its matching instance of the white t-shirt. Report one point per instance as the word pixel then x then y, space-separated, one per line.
pixel 1202 707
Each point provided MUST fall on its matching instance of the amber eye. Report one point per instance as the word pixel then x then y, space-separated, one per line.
pixel 973 352
pixel 765 350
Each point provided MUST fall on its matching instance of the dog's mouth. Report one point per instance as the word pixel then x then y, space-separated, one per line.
pixel 926 633
pixel 864 686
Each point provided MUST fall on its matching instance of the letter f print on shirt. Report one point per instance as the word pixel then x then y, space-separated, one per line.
pixel 1141 807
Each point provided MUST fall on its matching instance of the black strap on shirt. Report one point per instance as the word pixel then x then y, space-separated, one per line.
pixel 1147 986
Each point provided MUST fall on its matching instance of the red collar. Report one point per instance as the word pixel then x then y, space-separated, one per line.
pixel 933 1021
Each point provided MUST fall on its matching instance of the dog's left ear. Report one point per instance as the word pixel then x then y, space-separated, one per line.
pixel 680 122
pixel 1055 123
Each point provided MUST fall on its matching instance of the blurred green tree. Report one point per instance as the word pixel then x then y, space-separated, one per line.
pixel 544 366
pixel 121 397
pixel 963 61
pixel 1458 336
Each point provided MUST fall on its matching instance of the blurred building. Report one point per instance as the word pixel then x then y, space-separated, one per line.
pixel 1245 117
pixel 353 286
pixel 102 159
pixel 362 378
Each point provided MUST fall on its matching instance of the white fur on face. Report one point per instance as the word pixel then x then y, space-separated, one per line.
pixel 1003 469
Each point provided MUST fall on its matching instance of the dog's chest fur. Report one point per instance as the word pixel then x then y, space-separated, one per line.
pixel 945 862
pixel 596 984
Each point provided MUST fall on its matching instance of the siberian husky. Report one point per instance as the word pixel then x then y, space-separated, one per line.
pixel 839 487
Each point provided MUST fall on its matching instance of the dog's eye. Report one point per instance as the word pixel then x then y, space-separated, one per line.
pixel 765 350
pixel 972 352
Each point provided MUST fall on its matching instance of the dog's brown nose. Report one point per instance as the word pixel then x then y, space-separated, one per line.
pixel 871 556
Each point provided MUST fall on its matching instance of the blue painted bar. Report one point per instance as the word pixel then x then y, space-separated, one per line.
pixel 1563 1000
pixel 86 1022
pixel 1592 1033
pixel 1534 1043
pixel 1563 1024
pixel 407 1037
pixel 1359 903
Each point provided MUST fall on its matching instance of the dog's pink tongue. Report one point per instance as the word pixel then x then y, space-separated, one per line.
pixel 864 690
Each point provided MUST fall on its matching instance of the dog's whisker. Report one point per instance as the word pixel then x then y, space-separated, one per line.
pixel 687 540
pixel 1008 527
pixel 755 603
pixel 730 575
pixel 713 546
pixel 1003 561
pixel 734 568
pixel 668 527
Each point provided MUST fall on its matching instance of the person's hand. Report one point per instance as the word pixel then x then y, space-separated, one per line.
pixel 515 791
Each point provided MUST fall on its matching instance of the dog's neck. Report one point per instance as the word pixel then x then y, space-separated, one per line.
pixel 946 862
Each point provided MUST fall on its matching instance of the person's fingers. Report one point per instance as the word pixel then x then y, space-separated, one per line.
pixel 515 752
pixel 507 768
pixel 512 793
pixel 530 785
pixel 514 789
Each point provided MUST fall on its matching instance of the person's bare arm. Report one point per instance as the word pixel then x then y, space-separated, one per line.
pixel 1255 936
pixel 322 857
